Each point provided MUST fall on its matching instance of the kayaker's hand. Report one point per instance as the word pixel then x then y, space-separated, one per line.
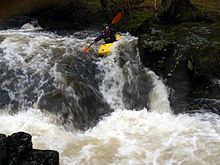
pixel 95 40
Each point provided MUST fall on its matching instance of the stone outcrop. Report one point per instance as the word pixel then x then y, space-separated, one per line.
pixel 18 149
pixel 76 98
pixel 187 56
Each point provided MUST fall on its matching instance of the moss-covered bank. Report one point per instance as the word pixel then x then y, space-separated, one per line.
pixel 187 56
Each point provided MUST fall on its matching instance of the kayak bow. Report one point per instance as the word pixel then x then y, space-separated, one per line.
pixel 105 49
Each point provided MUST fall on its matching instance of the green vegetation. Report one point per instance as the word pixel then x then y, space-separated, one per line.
pixel 135 13
pixel 137 19
pixel 211 5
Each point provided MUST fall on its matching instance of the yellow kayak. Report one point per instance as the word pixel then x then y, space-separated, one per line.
pixel 105 49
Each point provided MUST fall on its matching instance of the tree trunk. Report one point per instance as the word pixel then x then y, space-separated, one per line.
pixel 104 4
pixel 172 9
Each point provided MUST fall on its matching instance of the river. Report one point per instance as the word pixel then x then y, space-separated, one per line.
pixel 109 110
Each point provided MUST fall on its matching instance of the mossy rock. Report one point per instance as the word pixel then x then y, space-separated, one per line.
pixel 138 22
pixel 191 61
pixel 206 61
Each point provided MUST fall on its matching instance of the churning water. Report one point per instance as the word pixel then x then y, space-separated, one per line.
pixel 52 90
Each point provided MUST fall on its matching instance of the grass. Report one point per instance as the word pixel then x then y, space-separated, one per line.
pixel 212 5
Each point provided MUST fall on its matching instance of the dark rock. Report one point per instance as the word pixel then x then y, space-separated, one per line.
pixel 17 149
pixel 19 144
pixel 17 22
pixel 83 110
pixel 2 136
pixel 156 53
pixel 203 105
pixel 39 157
pixel 3 149
pixel 77 99
pixel 4 97
pixel 187 56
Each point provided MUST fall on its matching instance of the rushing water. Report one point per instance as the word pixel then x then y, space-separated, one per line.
pixel 49 88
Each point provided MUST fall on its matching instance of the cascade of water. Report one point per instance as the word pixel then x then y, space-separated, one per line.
pixel 42 62
pixel 126 80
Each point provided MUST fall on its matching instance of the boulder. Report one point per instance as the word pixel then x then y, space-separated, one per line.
pixel 76 97
pixel 18 149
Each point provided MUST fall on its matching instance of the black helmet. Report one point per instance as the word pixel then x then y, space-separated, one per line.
pixel 105 25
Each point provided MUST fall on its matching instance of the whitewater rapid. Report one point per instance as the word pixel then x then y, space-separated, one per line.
pixel 125 137
pixel 149 136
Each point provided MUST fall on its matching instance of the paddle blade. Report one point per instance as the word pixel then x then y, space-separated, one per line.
pixel 86 50
pixel 117 18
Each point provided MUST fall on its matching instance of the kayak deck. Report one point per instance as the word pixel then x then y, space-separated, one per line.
pixel 105 49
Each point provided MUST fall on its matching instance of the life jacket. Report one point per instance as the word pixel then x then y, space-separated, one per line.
pixel 109 35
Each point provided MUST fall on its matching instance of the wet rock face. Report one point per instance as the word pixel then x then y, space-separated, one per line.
pixel 17 22
pixel 76 97
pixel 187 57
pixel 137 84
pixel 3 149
pixel 42 157
pixel 5 100
pixel 18 145
pixel 83 109
pixel 17 149
pixel 204 105
pixel 205 62
pixel 157 53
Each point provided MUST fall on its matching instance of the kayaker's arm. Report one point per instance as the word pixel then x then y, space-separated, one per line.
pixel 100 36
pixel 113 31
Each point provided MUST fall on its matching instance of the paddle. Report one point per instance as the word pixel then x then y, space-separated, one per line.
pixel 86 49
pixel 115 20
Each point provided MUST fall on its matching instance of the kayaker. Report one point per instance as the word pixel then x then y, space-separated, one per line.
pixel 108 34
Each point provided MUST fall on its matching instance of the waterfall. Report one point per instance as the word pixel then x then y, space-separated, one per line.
pixel 109 110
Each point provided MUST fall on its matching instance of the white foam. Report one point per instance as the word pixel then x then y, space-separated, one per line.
pixel 125 137
pixel 158 97
pixel 112 82
pixel 112 75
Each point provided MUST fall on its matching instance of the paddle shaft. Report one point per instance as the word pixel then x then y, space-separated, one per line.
pixel 90 45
